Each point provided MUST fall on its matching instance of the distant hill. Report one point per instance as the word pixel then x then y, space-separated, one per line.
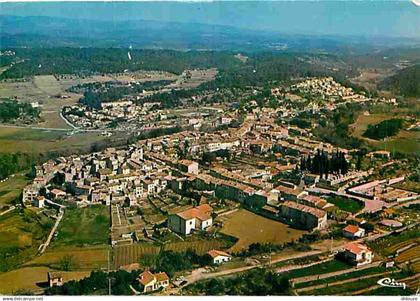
pixel 41 31
pixel 405 82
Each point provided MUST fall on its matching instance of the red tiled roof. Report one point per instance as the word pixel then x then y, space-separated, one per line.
pixel 355 248
pixel 146 277
pixel 215 253
pixel 351 229
pixel 201 212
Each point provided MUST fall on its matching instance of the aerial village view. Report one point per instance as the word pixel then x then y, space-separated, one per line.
pixel 130 171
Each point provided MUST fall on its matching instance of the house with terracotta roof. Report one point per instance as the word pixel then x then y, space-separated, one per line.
pixel 197 218
pixel 218 257
pixel 150 282
pixel 357 254
pixel 353 232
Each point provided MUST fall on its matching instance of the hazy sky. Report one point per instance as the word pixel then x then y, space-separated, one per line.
pixel 367 18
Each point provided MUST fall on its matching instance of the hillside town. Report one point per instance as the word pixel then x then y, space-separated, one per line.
pixel 188 183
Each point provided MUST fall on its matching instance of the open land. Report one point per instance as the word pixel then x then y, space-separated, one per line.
pixel 263 230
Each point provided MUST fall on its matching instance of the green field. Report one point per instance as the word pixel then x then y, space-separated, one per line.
pixel 405 141
pixel 21 233
pixel 365 272
pixel 84 226
pixel 322 268
pixel 346 204
pixel 36 141
pixel 11 189
pixel 348 288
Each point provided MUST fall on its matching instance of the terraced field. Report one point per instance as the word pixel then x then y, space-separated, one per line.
pixel 124 255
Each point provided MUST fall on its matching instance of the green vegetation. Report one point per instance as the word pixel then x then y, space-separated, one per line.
pixel 386 128
pixel 406 82
pixel 355 274
pixel 389 244
pixel 85 61
pixel 324 165
pixel 346 204
pixel 335 127
pixel 322 268
pixel 96 93
pixel 84 226
pixel 171 262
pixel 97 284
pixel 21 233
pixel 12 163
pixel 257 282
pixel 389 291
pixel 10 110
pixel 351 286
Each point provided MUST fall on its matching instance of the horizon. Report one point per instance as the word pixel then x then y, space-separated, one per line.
pixel 371 19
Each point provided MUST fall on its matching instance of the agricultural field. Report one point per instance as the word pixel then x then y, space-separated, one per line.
pixel 84 226
pixel 322 268
pixel 251 228
pixel 346 204
pixel 37 141
pixel 21 233
pixel 350 275
pixel 11 189
pixel 391 243
pixel 125 255
pixel 412 253
pixel 405 141
pixel 31 280
pixel 81 258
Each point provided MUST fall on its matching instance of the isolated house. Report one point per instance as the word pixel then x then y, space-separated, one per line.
pixel 195 218
pixel 218 257
pixel 150 282
pixel 357 254
pixel 55 279
pixel 353 232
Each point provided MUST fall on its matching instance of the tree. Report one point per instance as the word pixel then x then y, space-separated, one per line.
pixel 67 262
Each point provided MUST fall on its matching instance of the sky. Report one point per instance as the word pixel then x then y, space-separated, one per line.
pixel 369 18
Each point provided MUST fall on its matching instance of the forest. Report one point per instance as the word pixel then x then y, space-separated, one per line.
pixel 11 110
pixel 383 129
pixel 405 82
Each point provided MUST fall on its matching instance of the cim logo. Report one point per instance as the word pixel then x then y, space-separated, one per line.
pixel 388 282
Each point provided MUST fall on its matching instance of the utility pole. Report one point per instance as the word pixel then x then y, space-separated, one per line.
pixel 109 278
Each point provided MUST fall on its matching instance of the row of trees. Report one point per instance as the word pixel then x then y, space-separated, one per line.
pixel 324 165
